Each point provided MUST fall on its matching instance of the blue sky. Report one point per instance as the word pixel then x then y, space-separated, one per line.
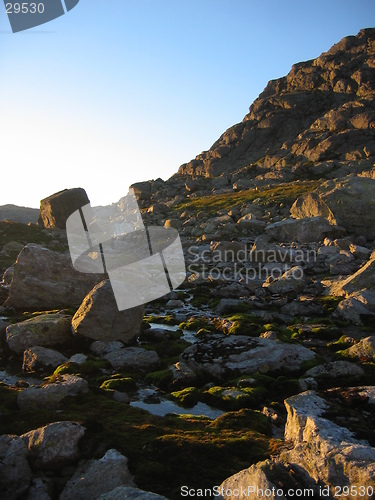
pixel 119 91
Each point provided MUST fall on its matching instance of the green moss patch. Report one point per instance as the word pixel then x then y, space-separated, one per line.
pixel 125 384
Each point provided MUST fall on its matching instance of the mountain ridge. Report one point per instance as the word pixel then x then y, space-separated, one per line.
pixel 315 122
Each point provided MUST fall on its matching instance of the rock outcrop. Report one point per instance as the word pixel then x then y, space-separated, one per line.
pixel 316 121
pixel 323 456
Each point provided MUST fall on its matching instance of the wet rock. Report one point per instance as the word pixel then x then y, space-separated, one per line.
pixel 51 395
pixel 133 358
pixel 42 330
pixel 35 275
pixel 40 357
pixel 98 477
pixel 98 317
pixel 305 230
pixel 15 473
pixel 174 304
pixel 55 209
pixel 53 445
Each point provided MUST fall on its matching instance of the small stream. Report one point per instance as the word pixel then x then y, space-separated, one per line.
pixel 188 335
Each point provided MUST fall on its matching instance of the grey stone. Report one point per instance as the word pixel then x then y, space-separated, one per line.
pixel 15 473
pixel 134 358
pixel 54 445
pixel 364 349
pixel 246 354
pixel 40 357
pixel 98 317
pixel 336 369
pixel 51 395
pixel 42 330
pixel 98 477
pixel 305 230
pixel 35 275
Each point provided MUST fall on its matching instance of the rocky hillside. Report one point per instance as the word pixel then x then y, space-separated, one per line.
pixel 256 374
pixel 316 122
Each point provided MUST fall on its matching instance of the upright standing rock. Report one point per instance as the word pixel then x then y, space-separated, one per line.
pixel 55 209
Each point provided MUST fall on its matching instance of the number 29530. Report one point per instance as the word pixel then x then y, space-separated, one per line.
pixel 24 8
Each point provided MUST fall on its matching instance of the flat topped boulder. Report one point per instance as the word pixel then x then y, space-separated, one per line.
pixel 55 209
pixel 42 330
pixel 223 354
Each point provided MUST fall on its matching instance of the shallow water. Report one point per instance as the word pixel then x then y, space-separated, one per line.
pixel 164 407
pixel 161 406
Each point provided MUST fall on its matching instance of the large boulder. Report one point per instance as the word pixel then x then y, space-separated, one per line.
pixel 306 230
pixel 311 205
pixel 97 477
pixel 50 396
pixel 98 317
pixel 55 209
pixel 15 473
pixel 46 279
pixel 221 355
pixel 42 330
pixel 349 203
pixel 53 445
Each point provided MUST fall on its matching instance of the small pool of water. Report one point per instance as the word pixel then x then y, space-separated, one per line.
pixel 150 400
pixel 161 409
